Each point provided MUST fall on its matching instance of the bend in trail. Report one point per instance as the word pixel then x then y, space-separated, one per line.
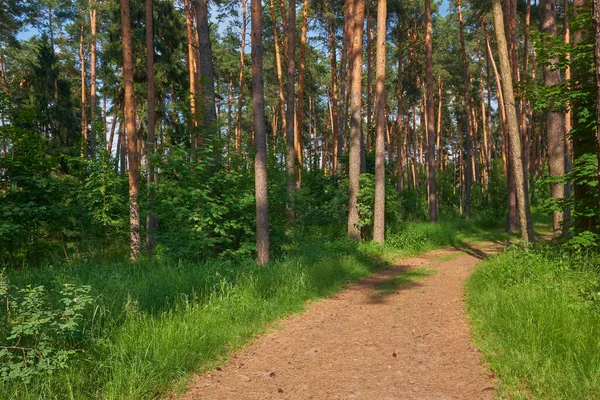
pixel 384 337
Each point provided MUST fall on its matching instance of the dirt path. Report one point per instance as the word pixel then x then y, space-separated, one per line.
pixel 384 337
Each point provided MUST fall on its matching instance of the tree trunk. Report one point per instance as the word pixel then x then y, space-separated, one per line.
pixel 290 159
pixel 357 16
pixel 150 220
pixel 135 242
pixel 513 127
pixel 191 60
pixel 554 120
pixel 3 74
pixel 439 123
pixel 401 138
pixel 334 98
pixel 468 145
pixel 345 75
pixel 93 90
pixel 279 70
pixel 84 122
pixel 238 127
pixel 370 62
pixel 381 123
pixel 298 134
pixel 260 137
pixel 206 68
pixel 430 106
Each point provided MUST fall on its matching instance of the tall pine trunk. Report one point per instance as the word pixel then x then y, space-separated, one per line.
pixel 238 126
pixel 260 137
pixel 554 120
pixel 135 242
pixel 93 89
pixel 381 123
pixel 279 71
pixel 513 127
pixel 290 154
pixel 206 69
pixel 429 106
pixel 468 143
pixel 150 220
pixel 84 121
pixel 357 16
pixel 298 134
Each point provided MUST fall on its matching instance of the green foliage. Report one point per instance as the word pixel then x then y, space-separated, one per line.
pixel 536 319
pixel 203 213
pixel 36 331
pixel 366 203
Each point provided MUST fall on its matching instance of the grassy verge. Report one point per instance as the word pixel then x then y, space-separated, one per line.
pixel 154 322
pixel 536 318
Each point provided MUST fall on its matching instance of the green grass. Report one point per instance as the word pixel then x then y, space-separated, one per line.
pixel 155 322
pixel 536 317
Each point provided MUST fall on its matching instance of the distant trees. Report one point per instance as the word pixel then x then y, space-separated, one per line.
pixel 176 107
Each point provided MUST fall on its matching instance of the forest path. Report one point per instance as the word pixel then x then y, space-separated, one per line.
pixel 401 333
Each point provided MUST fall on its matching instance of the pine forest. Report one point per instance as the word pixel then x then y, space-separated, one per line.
pixel 182 179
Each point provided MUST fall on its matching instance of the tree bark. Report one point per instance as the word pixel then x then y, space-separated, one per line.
pixel 290 159
pixel 334 98
pixel 150 220
pixel 191 61
pixel 238 126
pixel 370 62
pixel 260 137
pixel 135 242
pixel 430 106
pixel 357 16
pixel 554 120
pixel 513 127
pixel 298 134
pixel 84 121
pixel 381 123
pixel 279 70
pixel 401 138
pixel 468 145
pixel 206 68
pixel 93 90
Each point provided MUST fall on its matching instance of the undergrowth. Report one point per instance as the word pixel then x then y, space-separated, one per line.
pixel 536 318
pixel 150 324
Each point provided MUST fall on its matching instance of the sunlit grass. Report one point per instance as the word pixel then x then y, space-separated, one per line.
pixel 536 317
pixel 155 322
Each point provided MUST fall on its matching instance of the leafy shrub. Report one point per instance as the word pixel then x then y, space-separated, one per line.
pixel 36 332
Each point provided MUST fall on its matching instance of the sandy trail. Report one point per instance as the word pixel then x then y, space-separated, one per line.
pixel 374 340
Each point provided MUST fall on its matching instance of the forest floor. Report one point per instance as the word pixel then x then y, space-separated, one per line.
pixel 401 333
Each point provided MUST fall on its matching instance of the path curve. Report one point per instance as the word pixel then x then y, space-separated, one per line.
pixel 372 341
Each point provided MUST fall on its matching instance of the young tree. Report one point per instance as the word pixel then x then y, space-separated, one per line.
pixel 356 18
pixel 135 242
pixel 513 127
pixel 381 123
pixel 260 137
